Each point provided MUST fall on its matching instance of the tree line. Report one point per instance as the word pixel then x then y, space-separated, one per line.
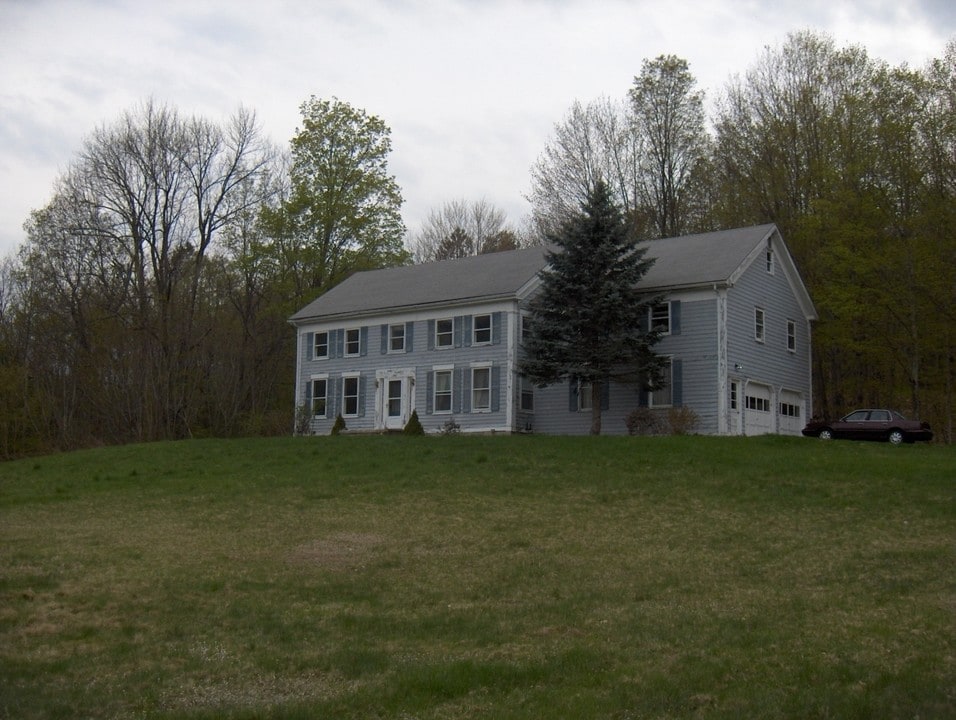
pixel 150 297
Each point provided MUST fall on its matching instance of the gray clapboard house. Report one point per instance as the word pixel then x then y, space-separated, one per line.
pixel 444 339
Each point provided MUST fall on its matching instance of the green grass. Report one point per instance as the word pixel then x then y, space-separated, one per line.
pixel 464 577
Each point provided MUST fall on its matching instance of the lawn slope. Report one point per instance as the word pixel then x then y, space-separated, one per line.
pixel 465 577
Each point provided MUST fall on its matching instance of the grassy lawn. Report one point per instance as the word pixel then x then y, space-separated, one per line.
pixel 498 577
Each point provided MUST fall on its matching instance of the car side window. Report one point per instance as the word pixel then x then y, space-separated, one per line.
pixel 857 416
pixel 880 416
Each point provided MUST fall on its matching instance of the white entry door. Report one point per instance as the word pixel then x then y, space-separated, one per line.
pixel 394 405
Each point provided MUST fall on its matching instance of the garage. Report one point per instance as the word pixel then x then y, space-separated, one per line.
pixel 791 412
pixel 758 409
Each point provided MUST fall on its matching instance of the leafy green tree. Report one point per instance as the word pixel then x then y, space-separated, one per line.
pixel 343 209
pixel 669 118
pixel 587 317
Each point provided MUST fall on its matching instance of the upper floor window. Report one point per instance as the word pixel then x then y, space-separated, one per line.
pixel 525 328
pixel 353 342
pixel 320 345
pixel 791 336
pixel 769 260
pixel 759 324
pixel 481 330
pixel 661 318
pixel 396 338
pixel 444 333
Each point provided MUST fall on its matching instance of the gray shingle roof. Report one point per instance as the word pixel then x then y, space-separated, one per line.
pixel 688 261
pixel 483 277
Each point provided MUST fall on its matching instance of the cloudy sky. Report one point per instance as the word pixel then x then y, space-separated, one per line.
pixel 471 89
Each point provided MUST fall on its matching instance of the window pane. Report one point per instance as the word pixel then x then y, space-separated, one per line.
pixel 482 329
pixel 443 391
pixel 350 396
pixel 584 395
pixel 661 318
pixel 321 345
pixel 396 338
pixel 318 398
pixel 444 333
pixel 352 345
pixel 481 389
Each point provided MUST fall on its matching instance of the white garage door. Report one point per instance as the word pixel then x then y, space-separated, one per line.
pixel 791 412
pixel 758 409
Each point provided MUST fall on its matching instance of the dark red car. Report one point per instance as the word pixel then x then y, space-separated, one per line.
pixel 880 424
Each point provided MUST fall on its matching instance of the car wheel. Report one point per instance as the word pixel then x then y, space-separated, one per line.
pixel 895 437
pixel 826 434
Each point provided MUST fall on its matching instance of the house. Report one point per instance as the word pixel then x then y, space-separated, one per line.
pixel 445 338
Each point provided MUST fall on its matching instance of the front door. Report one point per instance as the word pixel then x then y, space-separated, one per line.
pixel 395 404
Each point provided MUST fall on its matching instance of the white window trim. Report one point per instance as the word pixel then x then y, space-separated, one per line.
pixel 650 315
pixel 475 367
pixel 474 329
pixel 345 342
pixel 669 385
pixel 525 386
pixel 358 389
pixel 450 369
pixel 771 260
pixel 315 337
pixel 390 349
pixel 760 336
pixel 792 336
pixel 325 378
pixel 524 327
pixel 582 395
pixel 451 335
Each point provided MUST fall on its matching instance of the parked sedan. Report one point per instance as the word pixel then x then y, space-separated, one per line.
pixel 870 425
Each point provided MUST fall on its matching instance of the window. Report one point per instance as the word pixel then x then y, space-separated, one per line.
pixel 481 333
pixel 879 416
pixel 734 389
pixel 319 396
pixel 481 389
pixel 527 395
pixel 790 410
pixel 661 318
pixel 353 342
pixel 396 338
pixel 442 398
pixel 350 396
pixel 525 328
pixel 758 403
pixel 661 391
pixel 444 333
pixel 584 394
pixel 769 260
pixel 791 336
pixel 759 321
pixel 320 346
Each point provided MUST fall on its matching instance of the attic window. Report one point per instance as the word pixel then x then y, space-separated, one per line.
pixel 769 259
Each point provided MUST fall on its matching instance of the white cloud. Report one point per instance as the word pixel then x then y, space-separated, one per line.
pixel 471 90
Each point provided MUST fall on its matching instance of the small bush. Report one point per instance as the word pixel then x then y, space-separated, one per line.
pixel 645 421
pixel 450 427
pixel 303 421
pixel 682 420
pixel 339 425
pixel 414 425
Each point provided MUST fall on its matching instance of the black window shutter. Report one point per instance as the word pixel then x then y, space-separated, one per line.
pixel 606 394
pixel 496 328
pixel 309 346
pixel 431 334
pixel 675 317
pixel 429 391
pixel 384 339
pixel 572 395
pixel 495 389
pixel 677 382
pixel 409 336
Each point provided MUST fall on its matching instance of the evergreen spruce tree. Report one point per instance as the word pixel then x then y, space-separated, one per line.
pixel 588 318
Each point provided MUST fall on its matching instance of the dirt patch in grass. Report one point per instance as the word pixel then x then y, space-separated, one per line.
pixel 339 551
